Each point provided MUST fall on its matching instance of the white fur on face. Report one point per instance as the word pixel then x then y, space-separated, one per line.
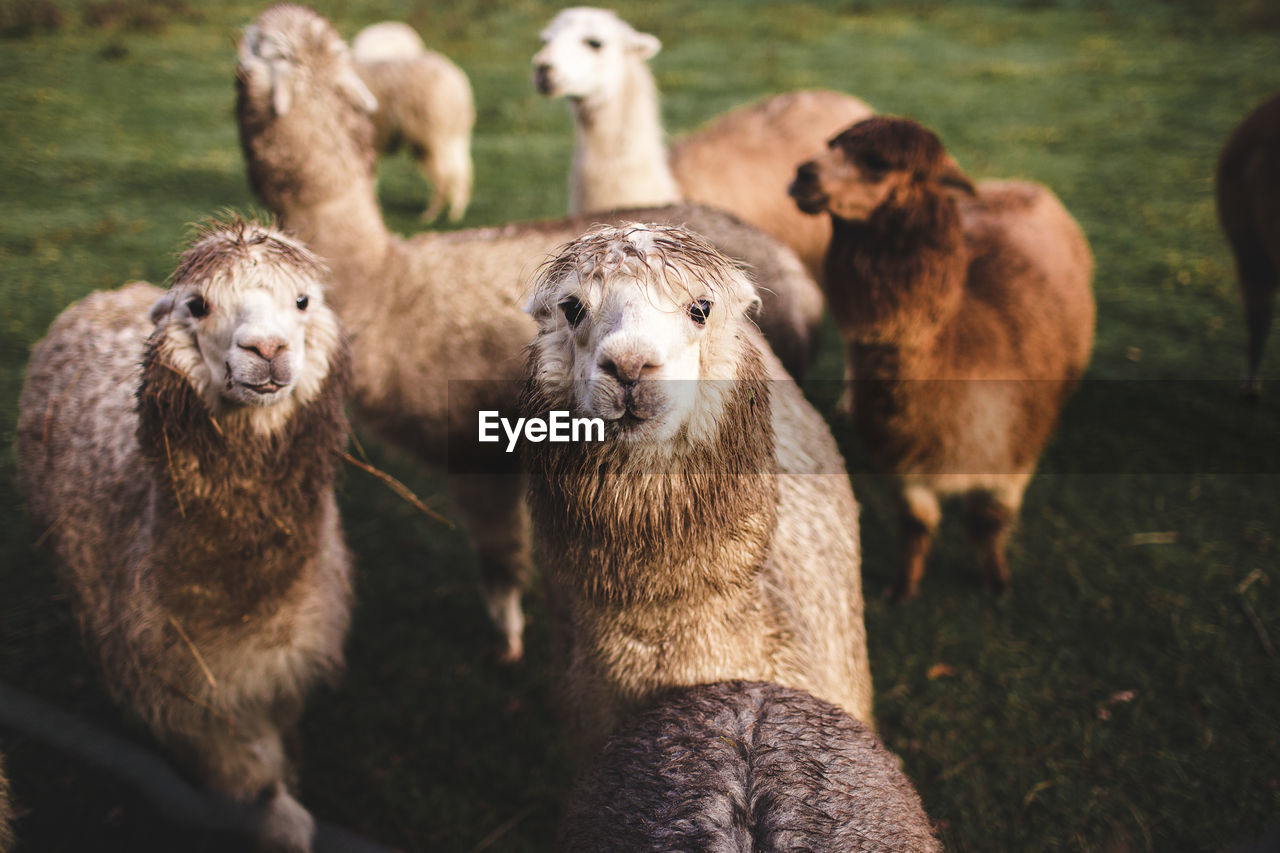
pixel 585 52
pixel 254 338
pixel 637 356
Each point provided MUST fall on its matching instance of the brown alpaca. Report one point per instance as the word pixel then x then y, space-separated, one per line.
pixel 712 534
pixel 1248 184
pixel 180 447
pixel 967 315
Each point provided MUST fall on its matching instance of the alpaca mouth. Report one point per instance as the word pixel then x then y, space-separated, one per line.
pixel 542 81
pixel 267 388
pixel 807 197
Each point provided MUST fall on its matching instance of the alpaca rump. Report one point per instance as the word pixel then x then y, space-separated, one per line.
pixel 435 321
pixel 744 767
pixel 424 104
pixel 1248 197
pixel 180 447
pixel 713 534
pixel 967 314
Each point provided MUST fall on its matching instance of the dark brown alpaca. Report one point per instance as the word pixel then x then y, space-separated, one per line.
pixel 1248 184
pixel 967 315
pixel 180 447
pixel 740 767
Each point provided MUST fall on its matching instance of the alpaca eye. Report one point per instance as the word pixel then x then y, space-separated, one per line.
pixel 699 310
pixel 594 44
pixel 573 310
pixel 197 306
pixel 875 165
pixel 303 302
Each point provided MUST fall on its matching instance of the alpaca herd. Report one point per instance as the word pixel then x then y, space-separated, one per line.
pixel 701 563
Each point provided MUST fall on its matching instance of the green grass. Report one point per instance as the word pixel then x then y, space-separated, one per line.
pixel 1011 717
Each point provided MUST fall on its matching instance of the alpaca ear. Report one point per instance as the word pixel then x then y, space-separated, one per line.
pixel 951 176
pixel 281 96
pixel 753 300
pixel 162 307
pixel 538 305
pixel 248 51
pixel 356 91
pixel 644 45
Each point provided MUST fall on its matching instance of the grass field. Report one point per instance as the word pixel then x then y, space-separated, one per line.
pixel 1125 697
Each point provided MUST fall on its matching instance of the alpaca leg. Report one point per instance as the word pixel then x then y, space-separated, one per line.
pixel 250 768
pixel 989 517
pixel 282 823
pixel 1259 307
pixel 920 516
pixel 844 406
pixel 450 170
pixel 446 164
pixel 493 509
pixel 424 156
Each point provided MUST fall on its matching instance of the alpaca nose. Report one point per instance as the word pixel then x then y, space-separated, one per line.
pixel 266 347
pixel 806 172
pixel 542 77
pixel 628 369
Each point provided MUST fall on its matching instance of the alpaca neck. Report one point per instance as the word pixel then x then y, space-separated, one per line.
pixel 238 516
pixel 348 231
pixel 315 168
pixel 622 532
pixel 897 279
pixel 620 159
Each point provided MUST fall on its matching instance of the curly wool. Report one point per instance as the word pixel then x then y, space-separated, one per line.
pixel 743 767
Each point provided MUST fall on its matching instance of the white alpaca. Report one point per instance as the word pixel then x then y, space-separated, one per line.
pixel 597 61
pixel 740 162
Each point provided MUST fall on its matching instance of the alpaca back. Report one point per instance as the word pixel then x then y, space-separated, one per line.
pixel 1029 308
pixel 742 162
pixel 426 95
pixel 79 465
pixel 813 570
pixel 741 767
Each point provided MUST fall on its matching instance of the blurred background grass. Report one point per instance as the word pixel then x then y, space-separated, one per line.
pixel 1126 697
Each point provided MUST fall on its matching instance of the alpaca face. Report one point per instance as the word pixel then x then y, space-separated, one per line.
pixel 875 162
pixel 850 185
pixel 291 49
pixel 245 321
pixel 585 52
pixel 637 325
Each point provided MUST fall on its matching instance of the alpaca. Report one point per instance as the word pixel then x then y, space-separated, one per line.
pixel 712 534
pixel 740 162
pixel 743 767
pixel 436 327
pixel 967 322
pixel 181 447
